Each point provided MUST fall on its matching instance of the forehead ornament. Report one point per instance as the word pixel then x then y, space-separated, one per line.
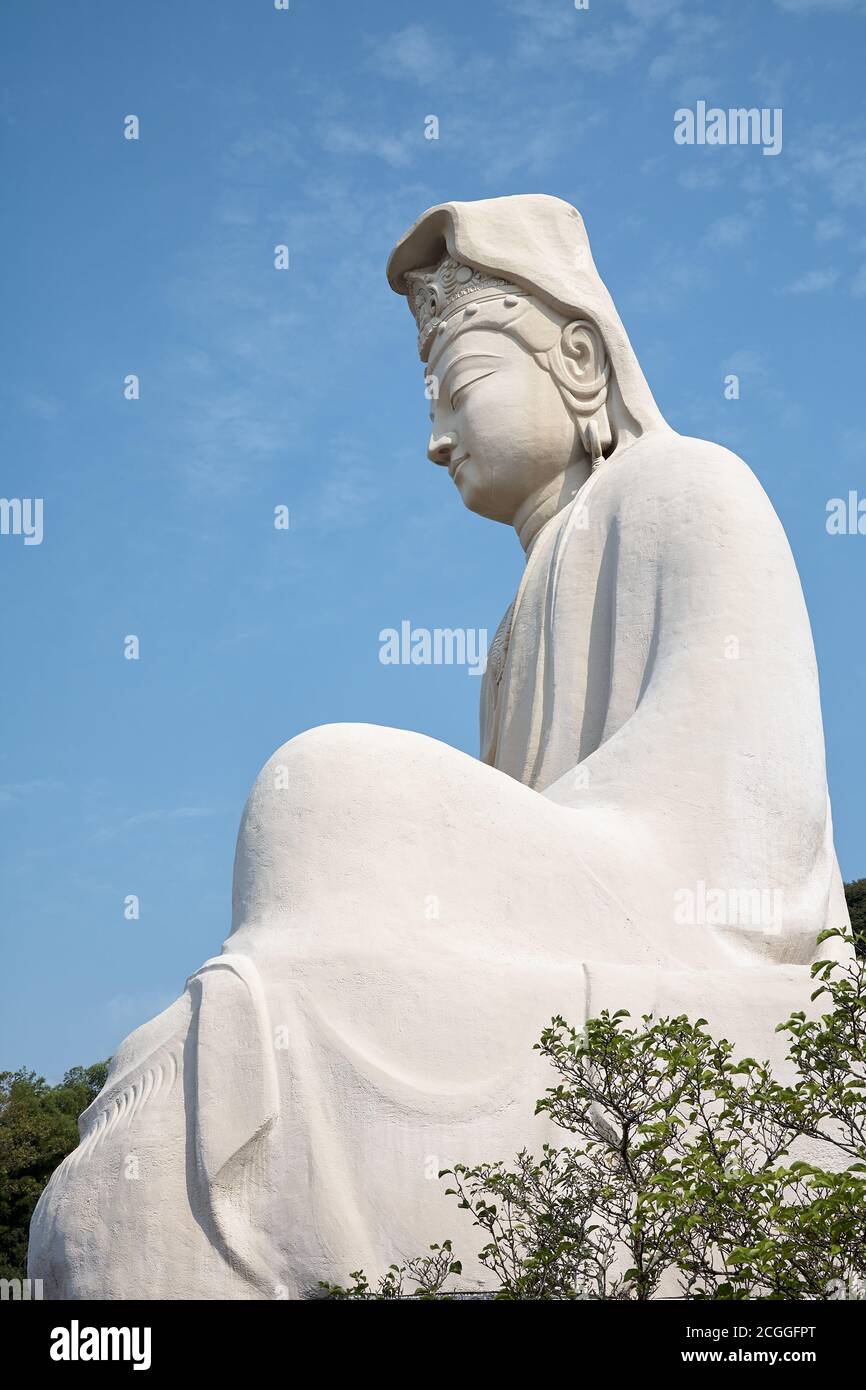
pixel 438 292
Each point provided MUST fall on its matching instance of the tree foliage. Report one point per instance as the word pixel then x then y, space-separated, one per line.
pixel 686 1171
pixel 855 896
pixel 38 1128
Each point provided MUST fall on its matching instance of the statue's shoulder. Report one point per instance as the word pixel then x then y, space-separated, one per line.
pixel 676 470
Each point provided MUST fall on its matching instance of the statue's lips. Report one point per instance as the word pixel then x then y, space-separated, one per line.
pixel 455 464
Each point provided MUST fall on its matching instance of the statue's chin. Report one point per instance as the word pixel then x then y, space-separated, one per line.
pixel 477 493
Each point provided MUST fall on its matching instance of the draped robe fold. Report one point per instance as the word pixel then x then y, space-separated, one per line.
pixel 660 678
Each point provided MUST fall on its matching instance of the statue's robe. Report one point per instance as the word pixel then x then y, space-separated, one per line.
pixel 407 919
pixel 660 679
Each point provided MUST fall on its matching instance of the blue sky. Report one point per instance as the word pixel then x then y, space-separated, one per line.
pixel 302 388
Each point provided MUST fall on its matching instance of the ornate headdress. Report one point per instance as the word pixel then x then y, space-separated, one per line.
pixel 530 240
pixel 436 292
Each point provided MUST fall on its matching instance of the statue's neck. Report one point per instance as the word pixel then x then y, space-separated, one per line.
pixel 543 504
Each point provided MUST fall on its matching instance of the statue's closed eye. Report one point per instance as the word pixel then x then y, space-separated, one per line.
pixel 467 381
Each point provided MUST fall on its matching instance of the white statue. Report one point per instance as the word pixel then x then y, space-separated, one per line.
pixel 649 828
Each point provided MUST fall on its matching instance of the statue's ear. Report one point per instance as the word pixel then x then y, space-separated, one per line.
pixel 581 367
pixel 236 1104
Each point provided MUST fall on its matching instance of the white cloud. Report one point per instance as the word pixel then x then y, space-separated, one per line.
pixel 555 34
pixel 748 362
pixel 819 6
pixel 648 11
pixel 346 500
pixel 688 40
pixel 273 144
pixel 350 492
pixel 396 150
pixel 45 407
pixel 174 813
pixel 12 793
pixel 858 287
pixel 836 156
pixel 829 229
pixel 411 54
pixel 665 281
pixel 813 282
pixel 772 80
pixel 727 231
pixel 700 177
pixel 543 28
pixel 158 816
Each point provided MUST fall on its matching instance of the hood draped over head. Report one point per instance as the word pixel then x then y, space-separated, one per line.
pixel 538 243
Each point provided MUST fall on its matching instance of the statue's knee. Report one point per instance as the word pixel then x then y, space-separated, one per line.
pixel 338 759
pixel 319 771
pixel 320 760
pixel 314 798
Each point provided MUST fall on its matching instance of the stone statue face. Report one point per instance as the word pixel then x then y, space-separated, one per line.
pixel 499 422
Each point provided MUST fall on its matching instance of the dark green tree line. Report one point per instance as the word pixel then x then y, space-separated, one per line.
pixel 38 1128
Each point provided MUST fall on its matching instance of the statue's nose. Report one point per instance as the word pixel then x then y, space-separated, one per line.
pixel 440 448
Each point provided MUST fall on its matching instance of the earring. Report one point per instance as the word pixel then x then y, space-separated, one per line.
pixel 592 441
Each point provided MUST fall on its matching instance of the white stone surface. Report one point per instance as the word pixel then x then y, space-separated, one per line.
pixel 406 919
